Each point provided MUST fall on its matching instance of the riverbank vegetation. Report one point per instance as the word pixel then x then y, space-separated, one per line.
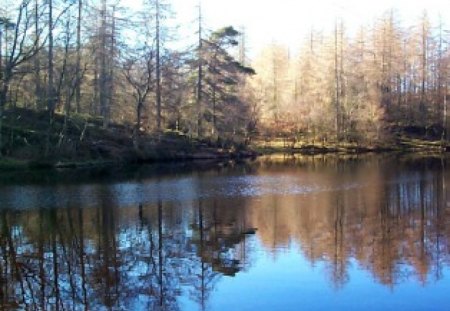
pixel 95 81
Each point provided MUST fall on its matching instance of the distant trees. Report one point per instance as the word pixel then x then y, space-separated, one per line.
pixel 358 88
pixel 272 87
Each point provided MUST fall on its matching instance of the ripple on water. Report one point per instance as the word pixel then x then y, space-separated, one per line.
pixel 169 189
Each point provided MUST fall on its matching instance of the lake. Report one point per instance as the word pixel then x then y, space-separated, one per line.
pixel 277 233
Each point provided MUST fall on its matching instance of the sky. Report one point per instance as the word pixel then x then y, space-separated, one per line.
pixel 289 21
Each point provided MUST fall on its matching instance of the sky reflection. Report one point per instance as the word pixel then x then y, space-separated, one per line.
pixel 274 234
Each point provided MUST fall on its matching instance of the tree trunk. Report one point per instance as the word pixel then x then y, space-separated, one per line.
pixel 337 82
pixel 78 60
pixel 37 63
pixel 423 108
pixel 158 68
pixel 213 130
pixel 94 109
pixel 50 85
pixel 138 124
pixel 200 73
pixel 110 77
pixel 3 92
pixel 103 71
pixel 444 115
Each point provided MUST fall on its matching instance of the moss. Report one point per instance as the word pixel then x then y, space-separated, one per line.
pixel 403 144
pixel 85 164
pixel 12 164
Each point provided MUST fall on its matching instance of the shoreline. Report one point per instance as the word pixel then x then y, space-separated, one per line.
pixel 10 164
pixel 80 142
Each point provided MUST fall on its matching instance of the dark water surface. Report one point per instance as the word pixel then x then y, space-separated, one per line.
pixel 321 233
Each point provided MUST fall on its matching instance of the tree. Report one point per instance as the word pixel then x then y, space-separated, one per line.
pixel 222 76
pixel 199 88
pixel 78 58
pixel 138 71
pixel 104 77
pixel 271 86
pixel 158 63
pixel 175 90
pixel 20 47
pixel 39 94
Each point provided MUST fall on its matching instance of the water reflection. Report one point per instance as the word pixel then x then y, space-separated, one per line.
pixel 123 251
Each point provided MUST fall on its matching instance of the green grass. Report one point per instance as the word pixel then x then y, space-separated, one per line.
pixel 7 164
pixel 404 143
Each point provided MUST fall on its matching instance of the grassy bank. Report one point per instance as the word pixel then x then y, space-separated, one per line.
pixel 401 142
pixel 12 164
pixel 81 141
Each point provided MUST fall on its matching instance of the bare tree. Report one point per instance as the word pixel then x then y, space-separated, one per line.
pixel 138 72
pixel 21 46
pixel 78 58
pixel 199 90
pixel 158 63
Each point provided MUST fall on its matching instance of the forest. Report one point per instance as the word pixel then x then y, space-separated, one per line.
pixel 85 79
pixel 382 80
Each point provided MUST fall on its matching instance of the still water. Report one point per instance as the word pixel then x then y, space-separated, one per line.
pixel 277 233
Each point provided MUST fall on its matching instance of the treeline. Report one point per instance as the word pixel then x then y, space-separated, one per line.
pixel 97 60
pixel 106 65
pixel 359 85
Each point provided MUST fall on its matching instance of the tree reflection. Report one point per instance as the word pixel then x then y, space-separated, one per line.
pixel 394 225
pixel 145 257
